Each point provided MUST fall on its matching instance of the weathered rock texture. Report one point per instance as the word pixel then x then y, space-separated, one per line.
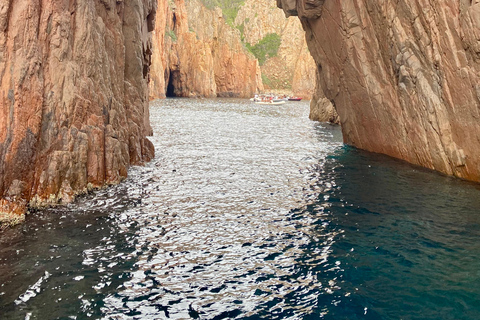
pixel 321 108
pixel 196 54
pixel 293 69
pixel 73 97
pixel 158 69
pixel 404 76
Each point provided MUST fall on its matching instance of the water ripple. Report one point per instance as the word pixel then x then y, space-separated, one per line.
pixel 217 235
pixel 251 212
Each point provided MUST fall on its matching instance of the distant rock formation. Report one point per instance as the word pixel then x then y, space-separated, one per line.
pixel 403 75
pixel 197 54
pixel 73 98
pixel 293 68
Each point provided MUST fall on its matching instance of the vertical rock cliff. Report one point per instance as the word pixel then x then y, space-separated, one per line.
pixel 158 69
pixel 197 54
pixel 403 75
pixel 73 97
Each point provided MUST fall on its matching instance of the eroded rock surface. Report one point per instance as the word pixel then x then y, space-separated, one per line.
pixel 197 54
pixel 321 108
pixel 403 75
pixel 73 97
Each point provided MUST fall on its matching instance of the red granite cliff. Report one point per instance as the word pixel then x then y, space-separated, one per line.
pixel 403 75
pixel 73 98
pixel 197 54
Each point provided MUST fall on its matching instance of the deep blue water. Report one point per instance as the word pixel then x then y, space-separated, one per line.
pixel 251 212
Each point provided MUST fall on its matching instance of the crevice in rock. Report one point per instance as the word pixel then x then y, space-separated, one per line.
pixel 171 92
pixel 174 21
pixel 151 21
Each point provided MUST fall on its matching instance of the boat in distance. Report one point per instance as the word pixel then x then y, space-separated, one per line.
pixel 270 102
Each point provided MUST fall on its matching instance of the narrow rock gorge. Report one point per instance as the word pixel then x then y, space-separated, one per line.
pixel 201 51
pixel 292 67
pixel 197 54
pixel 73 99
pixel 403 75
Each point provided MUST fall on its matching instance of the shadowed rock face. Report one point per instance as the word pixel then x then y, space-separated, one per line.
pixel 403 75
pixel 321 108
pixel 73 97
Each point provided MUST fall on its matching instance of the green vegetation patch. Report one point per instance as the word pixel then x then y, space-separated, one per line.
pixel 266 48
pixel 171 34
pixel 242 31
pixel 266 81
pixel 274 82
pixel 241 27
pixel 229 8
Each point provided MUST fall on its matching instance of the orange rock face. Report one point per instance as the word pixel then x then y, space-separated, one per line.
pixel 196 54
pixel 404 76
pixel 73 97
pixel 157 85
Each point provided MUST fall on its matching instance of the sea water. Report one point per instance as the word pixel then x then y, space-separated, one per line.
pixel 251 212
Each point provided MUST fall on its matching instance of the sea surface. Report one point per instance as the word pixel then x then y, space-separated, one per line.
pixel 251 212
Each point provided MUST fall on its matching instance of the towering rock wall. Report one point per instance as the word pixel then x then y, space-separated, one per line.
pixel 158 70
pixel 197 54
pixel 293 68
pixel 73 97
pixel 403 75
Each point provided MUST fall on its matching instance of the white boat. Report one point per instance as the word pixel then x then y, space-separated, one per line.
pixel 270 102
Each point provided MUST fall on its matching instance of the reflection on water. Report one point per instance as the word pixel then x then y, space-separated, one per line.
pixel 251 212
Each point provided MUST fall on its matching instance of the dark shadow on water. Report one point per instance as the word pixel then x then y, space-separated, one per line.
pixel 62 249
pixel 404 239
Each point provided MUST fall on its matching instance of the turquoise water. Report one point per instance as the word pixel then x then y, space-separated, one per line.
pixel 251 212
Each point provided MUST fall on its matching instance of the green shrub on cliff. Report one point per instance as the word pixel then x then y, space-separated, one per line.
pixel 229 8
pixel 171 34
pixel 265 48
pixel 266 81
pixel 241 28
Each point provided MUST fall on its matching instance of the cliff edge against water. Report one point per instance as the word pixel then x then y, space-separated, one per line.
pixel 73 97
pixel 403 75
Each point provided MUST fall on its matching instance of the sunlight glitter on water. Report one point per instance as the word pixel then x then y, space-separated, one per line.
pixel 206 230
pixel 216 212
pixel 251 212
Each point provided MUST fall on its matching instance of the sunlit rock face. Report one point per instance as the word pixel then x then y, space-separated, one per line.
pixel 73 98
pixel 197 54
pixel 157 85
pixel 403 75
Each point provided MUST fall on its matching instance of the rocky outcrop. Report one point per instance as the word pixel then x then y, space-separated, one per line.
pixel 293 68
pixel 321 108
pixel 403 75
pixel 73 97
pixel 197 54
